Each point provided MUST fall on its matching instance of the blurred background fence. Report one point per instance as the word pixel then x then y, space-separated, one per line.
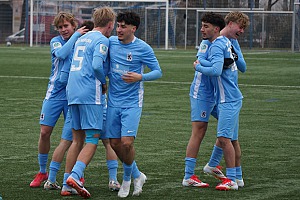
pixel 273 24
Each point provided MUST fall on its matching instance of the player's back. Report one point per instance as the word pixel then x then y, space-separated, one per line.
pixel 83 87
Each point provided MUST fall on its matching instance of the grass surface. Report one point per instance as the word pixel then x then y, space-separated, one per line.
pixel 269 129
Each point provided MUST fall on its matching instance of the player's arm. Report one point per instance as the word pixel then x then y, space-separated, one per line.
pixel 64 73
pixel 202 53
pixel 99 57
pixel 97 64
pixel 240 62
pixel 67 48
pixel 150 60
pixel 217 63
pixel 152 63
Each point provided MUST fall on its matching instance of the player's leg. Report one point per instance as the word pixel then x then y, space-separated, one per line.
pixel 50 113
pixel 199 116
pixel 91 122
pixel 71 158
pixel 238 166
pixel 238 154
pixel 228 116
pixel 213 166
pixel 73 151
pixel 111 156
pixel 58 154
pixel 73 177
pixel 112 166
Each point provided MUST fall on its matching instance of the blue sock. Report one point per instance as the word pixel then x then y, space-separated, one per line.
pixel 135 171
pixel 239 173
pixel 66 176
pixel 112 166
pixel 54 167
pixel 127 172
pixel 231 174
pixel 216 156
pixel 43 159
pixel 190 164
pixel 78 169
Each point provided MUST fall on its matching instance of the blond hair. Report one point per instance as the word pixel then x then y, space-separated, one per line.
pixel 239 18
pixel 102 16
pixel 62 16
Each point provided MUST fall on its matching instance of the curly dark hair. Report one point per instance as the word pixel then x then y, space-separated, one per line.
pixel 214 19
pixel 130 18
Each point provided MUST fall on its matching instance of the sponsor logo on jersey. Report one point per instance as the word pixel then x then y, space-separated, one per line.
pixel 120 69
pixel 56 45
pixel 103 49
pixel 203 48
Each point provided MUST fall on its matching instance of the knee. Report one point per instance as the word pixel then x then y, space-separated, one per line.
pixel 126 144
pixel 114 144
pixel 223 142
pixel 45 133
pixel 65 144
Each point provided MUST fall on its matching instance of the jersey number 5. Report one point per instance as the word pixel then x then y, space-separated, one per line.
pixel 77 60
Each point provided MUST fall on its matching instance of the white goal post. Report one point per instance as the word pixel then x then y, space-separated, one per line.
pixel 146 1
pixel 296 9
pixel 258 26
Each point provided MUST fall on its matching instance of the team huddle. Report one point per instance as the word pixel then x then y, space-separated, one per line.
pixel 83 60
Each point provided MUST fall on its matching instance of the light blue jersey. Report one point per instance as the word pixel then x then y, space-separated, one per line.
pixel 61 51
pixel 87 73
pixel 225 81
pixel 201 87
pixel 132 57
pixel 241 63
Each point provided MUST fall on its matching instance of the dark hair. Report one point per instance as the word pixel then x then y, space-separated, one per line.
pixel 214 19
pixel 130 18
pixel 88 24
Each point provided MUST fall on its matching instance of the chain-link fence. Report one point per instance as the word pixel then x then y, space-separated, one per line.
pixel 267 30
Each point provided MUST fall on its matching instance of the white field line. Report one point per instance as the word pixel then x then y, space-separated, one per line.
pixel 169 82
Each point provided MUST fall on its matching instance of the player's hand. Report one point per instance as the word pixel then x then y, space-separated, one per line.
pixel 82 30
pixel 196 63
pixel 131 77
pixel 104 88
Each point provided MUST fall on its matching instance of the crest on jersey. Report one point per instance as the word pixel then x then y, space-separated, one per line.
pixel 129 57
pixel 203 114
pixel 103 49
pixel 56 45
pixel 203 48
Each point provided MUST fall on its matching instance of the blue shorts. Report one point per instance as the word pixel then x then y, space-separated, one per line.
pixel 122 122
pixel 51 110
pixel 200 110
pixel 228 122
pixel 86 117
pixel 103 134
pixel 67 129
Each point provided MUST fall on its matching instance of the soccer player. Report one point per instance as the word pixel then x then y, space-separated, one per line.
pixel 55 101
pixel 202 103
pixel 128 57
pixel 228 95
pixel 85 87
pixel 236 23
pixel 66 140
